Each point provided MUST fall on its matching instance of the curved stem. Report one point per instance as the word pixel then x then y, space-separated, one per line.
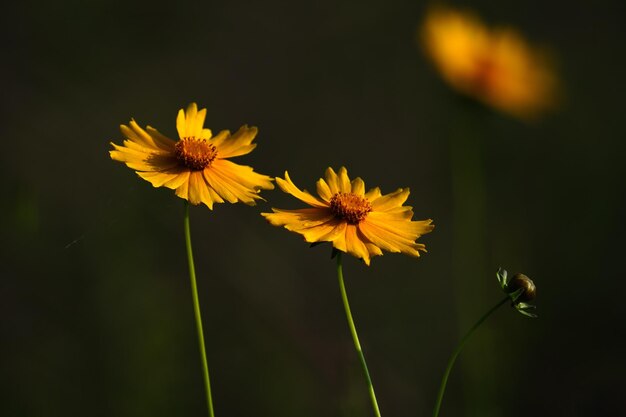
pixel 196 311
pixel 459 347
pixel 355 337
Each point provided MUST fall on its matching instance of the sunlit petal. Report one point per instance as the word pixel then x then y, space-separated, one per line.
pixel 373 194
pixel 323 190
pixel 238 144
pixel 193 166
pixel 343 181
pixel 361 224
pixel 358 187
pixel 355 246
pixel 289 187
pixel 332 181
pixel 391 200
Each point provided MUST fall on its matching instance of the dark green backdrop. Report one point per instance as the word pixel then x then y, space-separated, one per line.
pixel 95 306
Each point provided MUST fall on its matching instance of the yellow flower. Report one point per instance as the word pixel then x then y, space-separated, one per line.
pixel 359 223
pixel 196 165
pixel 495 66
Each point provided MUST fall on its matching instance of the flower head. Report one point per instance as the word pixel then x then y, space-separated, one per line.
pixel 360 223
pixel 196 165
pixel 520 289
pixel 495 66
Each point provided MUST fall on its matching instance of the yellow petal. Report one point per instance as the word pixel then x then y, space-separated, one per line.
pixel 289 187
pixel 157 179
pixel 161 140
pixel 238 144
pixel 142 161
pixel 422 227
pixel 358 187
pixel 192 187
pixel 355 246
pixel 400 213
pixel 331 180
pixel 316 234
pixel 197 188
pixel 315 225
pixel 380 237
pixel 181 124
pixel 330 231
pixel 236 182
pixel 395 236
pixel 124 154
pixel 178 180
pixel 129 144
pixel 403 232
pixel 198 124
pixel 218 140
pixel 343 181
pixel 410 230
pixel 191 122
pixel 223 188
pixel 214 197
pixel 392 200
pixel 338 236
pixel 244 174
pixel 183 190
pixel 373 194
pixel 204 191
pixel 323 190
pixel 373 249
pixel 136 134
pixel 300 218
pixel 206 134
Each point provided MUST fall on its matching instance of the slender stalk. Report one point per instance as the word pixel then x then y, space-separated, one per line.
pixel 355 337
pixel 459 347
pixel 196 311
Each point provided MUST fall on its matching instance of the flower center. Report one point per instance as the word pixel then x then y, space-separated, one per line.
pixel 350 207
pixel 195 154
pixel 486 73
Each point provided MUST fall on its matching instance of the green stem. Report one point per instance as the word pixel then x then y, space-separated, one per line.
pixel 456 352
pixel 196 311
pixel 355 337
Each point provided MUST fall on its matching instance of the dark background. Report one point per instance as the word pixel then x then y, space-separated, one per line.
pixel 95 307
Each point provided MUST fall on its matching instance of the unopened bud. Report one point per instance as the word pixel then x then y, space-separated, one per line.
pixel 522 281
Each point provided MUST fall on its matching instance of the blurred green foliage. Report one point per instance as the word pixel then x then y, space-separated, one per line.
pixel 95 310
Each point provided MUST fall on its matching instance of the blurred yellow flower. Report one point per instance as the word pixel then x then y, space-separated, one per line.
pixel 359 223
pixel 196 165
pixel 495 66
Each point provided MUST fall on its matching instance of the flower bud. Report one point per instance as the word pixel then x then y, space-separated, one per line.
pixel 521 281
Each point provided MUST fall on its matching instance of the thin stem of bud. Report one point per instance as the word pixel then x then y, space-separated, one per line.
pixel 459 347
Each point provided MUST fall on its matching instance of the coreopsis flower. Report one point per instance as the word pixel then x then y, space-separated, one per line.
pixel 360 223
pixel 196 165
pixel 495 66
